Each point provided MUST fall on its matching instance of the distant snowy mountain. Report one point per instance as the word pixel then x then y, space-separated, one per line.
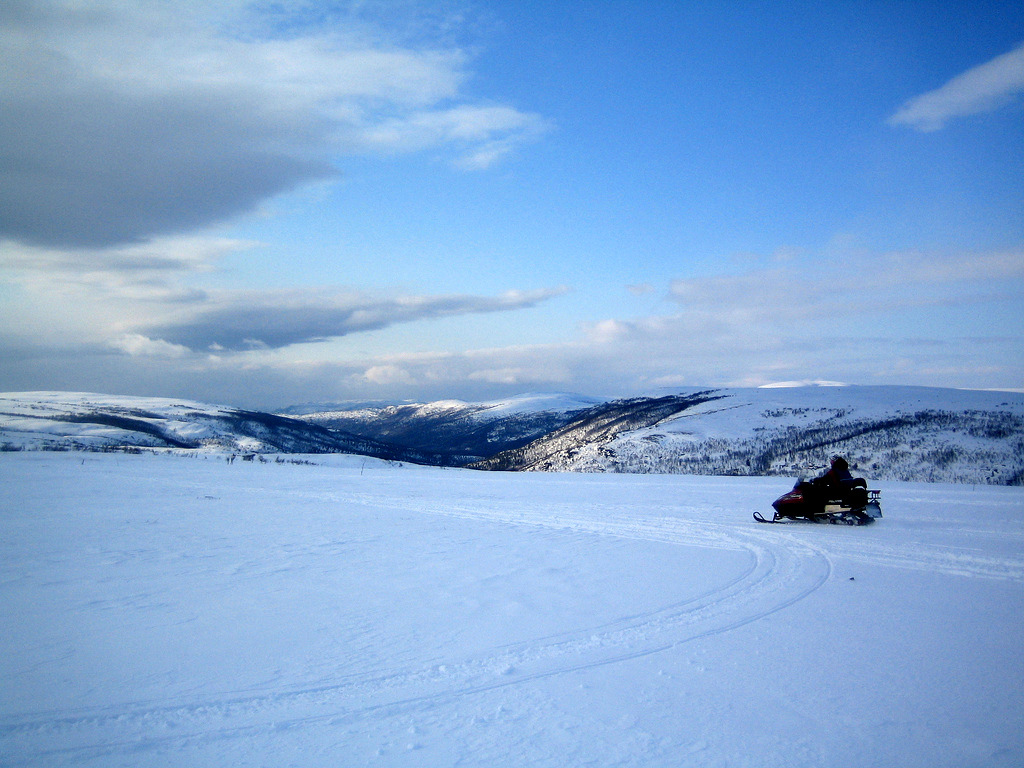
pixel 887 433
pixel 463 432
pixel 87 421
pixel 891 433
pixel 593 428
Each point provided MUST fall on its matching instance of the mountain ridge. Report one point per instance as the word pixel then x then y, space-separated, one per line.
pixel 97 422
pixel 887 432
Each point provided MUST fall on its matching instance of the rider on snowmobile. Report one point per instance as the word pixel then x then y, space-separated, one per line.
pixel 837 477
pixel 837 482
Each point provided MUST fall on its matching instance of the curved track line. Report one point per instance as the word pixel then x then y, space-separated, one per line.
pixel 782 571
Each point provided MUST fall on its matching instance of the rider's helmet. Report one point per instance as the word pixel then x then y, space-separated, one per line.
pixel 838 462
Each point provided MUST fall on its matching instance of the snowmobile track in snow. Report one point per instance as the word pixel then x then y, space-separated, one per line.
pixel 781 570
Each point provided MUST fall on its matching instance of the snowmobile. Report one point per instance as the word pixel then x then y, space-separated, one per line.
pixel 852 504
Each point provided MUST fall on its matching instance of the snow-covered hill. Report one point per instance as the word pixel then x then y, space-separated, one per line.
pixel 593 428
pixel 887 433
pixel 892 433
pixel 88 421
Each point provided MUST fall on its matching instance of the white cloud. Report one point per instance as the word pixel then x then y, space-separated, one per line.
pixel 802 321
pixel 154 270
pixel 122 121
pixel 386 375
pixel 483 133
pixel 136 345
pixel 609 330
pixel 515 376
pixel 146 299
pixel 838 318
pixel 981 89
pixel 810 290
pixel 246 320
pixel 918 267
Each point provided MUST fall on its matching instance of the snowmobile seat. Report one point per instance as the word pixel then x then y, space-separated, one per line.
pixel 857 497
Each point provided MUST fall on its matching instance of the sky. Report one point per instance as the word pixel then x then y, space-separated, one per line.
pixel 264 204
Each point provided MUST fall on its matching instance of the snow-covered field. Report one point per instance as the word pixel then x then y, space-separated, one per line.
pixel 173 611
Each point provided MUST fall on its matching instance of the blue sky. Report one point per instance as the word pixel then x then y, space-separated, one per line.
pixel 270 203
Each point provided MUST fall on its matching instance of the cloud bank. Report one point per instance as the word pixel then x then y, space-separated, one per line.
pixel 981 89
pixel 786 321
pixel 149 300
pixel 122 121
pixel 782 321
pixel 243 321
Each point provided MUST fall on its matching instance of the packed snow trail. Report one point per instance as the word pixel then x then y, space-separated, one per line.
pixel 774 579
pixel 218 614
